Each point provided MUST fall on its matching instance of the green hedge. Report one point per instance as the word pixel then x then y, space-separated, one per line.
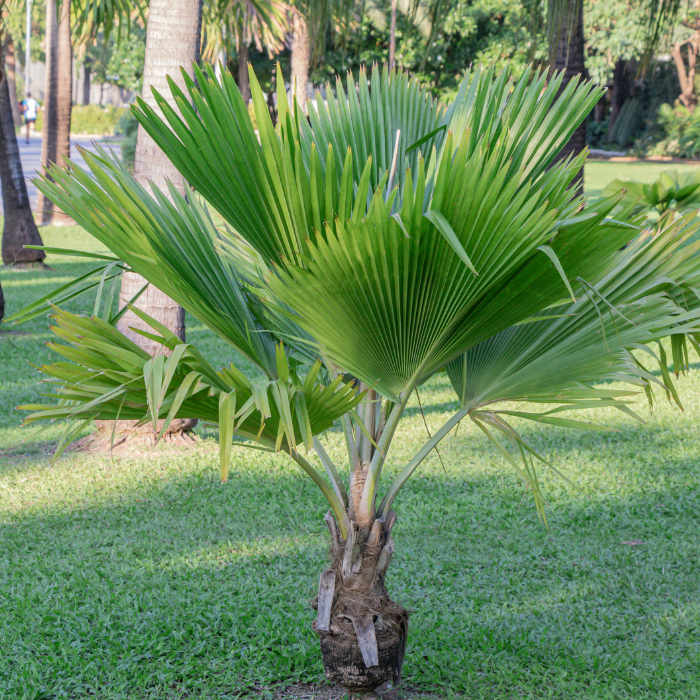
pixel 91 119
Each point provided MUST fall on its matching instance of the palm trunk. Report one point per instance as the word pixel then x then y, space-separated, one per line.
pixel 19 228
pixel 569 57
pixel 57 102
pixel 620 91
pixel 392 34
pixel 64 88
pixel 243 79
pixel 86 82
pixel 363 632
pixel 50 113
pixel 172 40
pixel 300 59
pixel 10 67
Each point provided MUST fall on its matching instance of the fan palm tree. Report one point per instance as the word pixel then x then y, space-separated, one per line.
pixel 437 238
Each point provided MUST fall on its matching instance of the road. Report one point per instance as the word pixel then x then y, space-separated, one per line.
pixel 30 154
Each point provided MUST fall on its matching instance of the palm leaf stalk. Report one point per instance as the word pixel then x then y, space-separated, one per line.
pixel 438 237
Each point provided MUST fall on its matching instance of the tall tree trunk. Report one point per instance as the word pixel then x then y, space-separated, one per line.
pixel 11 67
pixel 392 34
pixel 64 89
pixel 19 228
pixel 58 103
pixel 569 57
pixel 49 130
pixel 243 79
pixel 301 54
pixel 686 76
pixel 87 68
pixel 620 92
pixel 172 40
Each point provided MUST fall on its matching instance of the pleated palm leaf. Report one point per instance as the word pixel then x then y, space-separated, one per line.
pixel 382 240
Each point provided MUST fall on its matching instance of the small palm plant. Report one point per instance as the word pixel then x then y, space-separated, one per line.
pixel 660 202
pixel 381 240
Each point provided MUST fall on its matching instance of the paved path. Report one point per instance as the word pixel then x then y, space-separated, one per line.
pixel 30 154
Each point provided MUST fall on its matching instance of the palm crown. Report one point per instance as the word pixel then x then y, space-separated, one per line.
pixel 383 240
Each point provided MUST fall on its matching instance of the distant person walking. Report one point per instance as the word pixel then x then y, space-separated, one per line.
pixel 30 107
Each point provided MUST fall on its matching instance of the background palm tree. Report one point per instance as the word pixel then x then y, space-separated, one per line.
pixel 233 25
pixel 11 68
pixel 81 20
pixel 173 40
pixel 55 142
pixel 566 53
pixel 19 229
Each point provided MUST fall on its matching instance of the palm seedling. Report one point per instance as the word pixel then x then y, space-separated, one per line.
pixel 439 238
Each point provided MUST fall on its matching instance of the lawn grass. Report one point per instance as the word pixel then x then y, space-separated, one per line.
pixel 144 578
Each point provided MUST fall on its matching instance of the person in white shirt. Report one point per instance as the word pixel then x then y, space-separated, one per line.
pixel 30 108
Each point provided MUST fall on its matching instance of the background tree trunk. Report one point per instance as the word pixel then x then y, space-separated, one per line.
pixel 87 67
pixel 569 57
pixel 600 109
pixel 49 131
pixel 686 76
pixel 64 87
pixel 172 40
pixel 301 49
pixel 621 90
pixel 10 67
pixel 392 34
pixel 58 103
pixel 19 228
pixel 243 79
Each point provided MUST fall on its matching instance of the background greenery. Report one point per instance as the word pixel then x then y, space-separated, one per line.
pixel 143 577
pixel 91 120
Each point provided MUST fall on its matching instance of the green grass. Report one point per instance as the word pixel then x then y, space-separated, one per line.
pixel 146 579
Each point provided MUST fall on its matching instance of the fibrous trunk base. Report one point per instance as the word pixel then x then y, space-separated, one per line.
pixel 362 631
pixel 344 665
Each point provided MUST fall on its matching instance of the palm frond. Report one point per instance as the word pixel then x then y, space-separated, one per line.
pixel 646 296
pixel 108 377
pixel 171 242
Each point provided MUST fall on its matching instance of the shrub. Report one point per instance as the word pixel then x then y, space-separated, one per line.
pixel 679 130
pixel 95 119
pixel 672 193
pixel 90 119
